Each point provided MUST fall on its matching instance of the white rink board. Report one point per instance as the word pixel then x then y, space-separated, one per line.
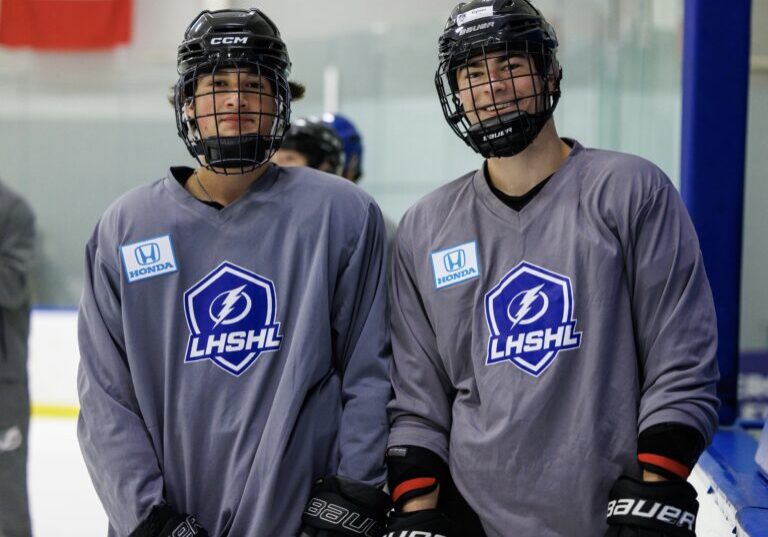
pixel 53 357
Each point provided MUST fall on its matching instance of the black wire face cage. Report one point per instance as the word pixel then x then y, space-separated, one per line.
pixel 498 96
pixel 232 115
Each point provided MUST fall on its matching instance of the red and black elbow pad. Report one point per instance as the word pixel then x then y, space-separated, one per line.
pixel 670 449
pixel 412 472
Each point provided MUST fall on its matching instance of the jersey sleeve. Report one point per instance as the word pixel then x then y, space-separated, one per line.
pixel 17 253
pixel 361 335
pixel 113 437
pixel 420 413
pixel 674 316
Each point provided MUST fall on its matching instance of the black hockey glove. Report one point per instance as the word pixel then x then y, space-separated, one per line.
pixel 652 509
pixel 163 521
pixel 339 506
pixel 426 523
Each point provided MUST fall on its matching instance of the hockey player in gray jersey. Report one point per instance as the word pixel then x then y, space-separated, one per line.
pixel 553 328
pixel 233 336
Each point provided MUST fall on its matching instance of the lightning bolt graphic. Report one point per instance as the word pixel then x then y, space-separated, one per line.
pixel 229 304
pixel 526 303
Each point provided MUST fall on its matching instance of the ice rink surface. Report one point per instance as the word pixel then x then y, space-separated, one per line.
pixel 62 499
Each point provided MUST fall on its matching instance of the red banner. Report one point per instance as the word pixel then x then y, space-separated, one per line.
pixel 65 24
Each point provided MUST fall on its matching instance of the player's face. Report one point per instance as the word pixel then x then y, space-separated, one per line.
pixel 289 157
pixel 496 84
pixel 231 103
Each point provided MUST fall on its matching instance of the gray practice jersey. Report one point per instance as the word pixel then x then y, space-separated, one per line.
pixel 230 357
pixel 531 348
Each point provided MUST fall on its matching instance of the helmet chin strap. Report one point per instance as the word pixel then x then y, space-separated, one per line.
pixel 239 153
pixel 507 135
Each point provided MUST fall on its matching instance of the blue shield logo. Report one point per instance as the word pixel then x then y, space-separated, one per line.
pixel 231 318
pixel 530 318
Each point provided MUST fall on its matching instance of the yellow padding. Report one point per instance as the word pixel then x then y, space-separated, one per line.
pixel 54 411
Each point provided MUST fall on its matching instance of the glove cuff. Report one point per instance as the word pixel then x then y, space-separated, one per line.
pixel 155 521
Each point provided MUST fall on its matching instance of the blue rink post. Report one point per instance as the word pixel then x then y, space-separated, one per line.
pixel 715 91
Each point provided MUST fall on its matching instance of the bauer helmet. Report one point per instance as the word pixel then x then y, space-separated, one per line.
pixel 476 32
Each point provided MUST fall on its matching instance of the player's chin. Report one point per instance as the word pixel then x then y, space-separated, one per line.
pixel 238 128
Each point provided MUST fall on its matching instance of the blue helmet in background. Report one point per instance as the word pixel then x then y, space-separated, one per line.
pixel 353 145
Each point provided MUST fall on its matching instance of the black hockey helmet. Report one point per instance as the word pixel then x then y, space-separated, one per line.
pixel 318 142
pixel 246 43
pixel 477 29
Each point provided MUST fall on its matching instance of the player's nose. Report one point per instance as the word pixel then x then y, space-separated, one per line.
pixel 237 99
pixel 499 83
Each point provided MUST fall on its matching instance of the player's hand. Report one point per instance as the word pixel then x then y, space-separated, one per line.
pixel 163 521
pixel 652 509
pixel 425 523
pixel 340 507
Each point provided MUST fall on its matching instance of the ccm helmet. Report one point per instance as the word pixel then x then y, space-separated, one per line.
pixel 353 144
pixel 239 44
pixel 483 29
pixel 318 142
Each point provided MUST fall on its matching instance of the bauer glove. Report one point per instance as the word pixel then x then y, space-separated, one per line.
pixel 340 507
pixel 652 509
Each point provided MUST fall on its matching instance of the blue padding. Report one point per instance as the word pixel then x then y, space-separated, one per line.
pixel 754 522
pixel 761 458
pixel 49 307
pixel 715 91
pixel 730 463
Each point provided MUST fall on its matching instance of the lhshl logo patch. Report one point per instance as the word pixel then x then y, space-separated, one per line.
pixel 530 318
pixel 231 317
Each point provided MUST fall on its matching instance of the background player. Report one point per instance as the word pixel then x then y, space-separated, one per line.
pixel 310 142
pixel 553 328
pixel 17 254
pixel 232 328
